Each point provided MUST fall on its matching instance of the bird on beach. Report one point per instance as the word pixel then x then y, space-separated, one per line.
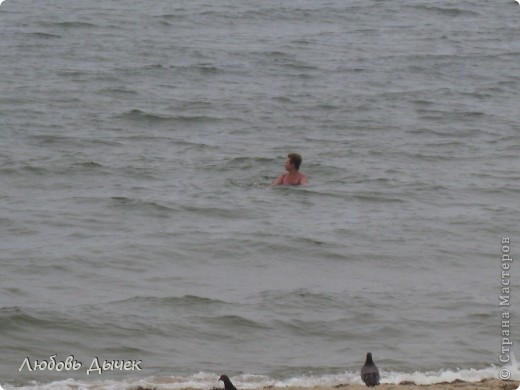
pixel 227 383
pixel 369 372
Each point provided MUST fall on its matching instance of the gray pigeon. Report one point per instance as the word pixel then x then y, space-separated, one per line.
pixel 369 372
pixel 227 383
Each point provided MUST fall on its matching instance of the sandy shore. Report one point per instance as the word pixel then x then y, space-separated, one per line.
pixel 487 384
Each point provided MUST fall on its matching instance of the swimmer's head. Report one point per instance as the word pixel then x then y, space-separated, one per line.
pixel 295 159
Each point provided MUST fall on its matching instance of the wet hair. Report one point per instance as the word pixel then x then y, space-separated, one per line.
pixel 295 159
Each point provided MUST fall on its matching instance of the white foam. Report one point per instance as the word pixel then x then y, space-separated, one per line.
pixel 208 380
pixel 514 368
pixel 429 378
pixel 467 375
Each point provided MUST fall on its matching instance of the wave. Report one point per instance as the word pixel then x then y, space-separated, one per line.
pixel 208 380
pixel 245 163
pixel 237 323
pixel 69 25
pixel 445 11
pixel 137 115
pixel 133 204
pixel 186 300
pixel 38 34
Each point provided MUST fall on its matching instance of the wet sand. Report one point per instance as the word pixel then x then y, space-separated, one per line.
pixel 487 384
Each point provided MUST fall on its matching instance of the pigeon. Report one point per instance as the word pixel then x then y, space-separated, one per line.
pixel 227 383
pixel 369 372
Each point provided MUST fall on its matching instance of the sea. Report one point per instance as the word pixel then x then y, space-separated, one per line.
pixel 142 243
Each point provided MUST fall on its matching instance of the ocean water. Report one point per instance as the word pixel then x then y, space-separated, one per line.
pixel 138 224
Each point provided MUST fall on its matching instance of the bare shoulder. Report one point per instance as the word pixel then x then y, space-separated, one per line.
pixel 279 180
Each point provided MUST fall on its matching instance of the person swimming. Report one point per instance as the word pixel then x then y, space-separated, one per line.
pixel 293 177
